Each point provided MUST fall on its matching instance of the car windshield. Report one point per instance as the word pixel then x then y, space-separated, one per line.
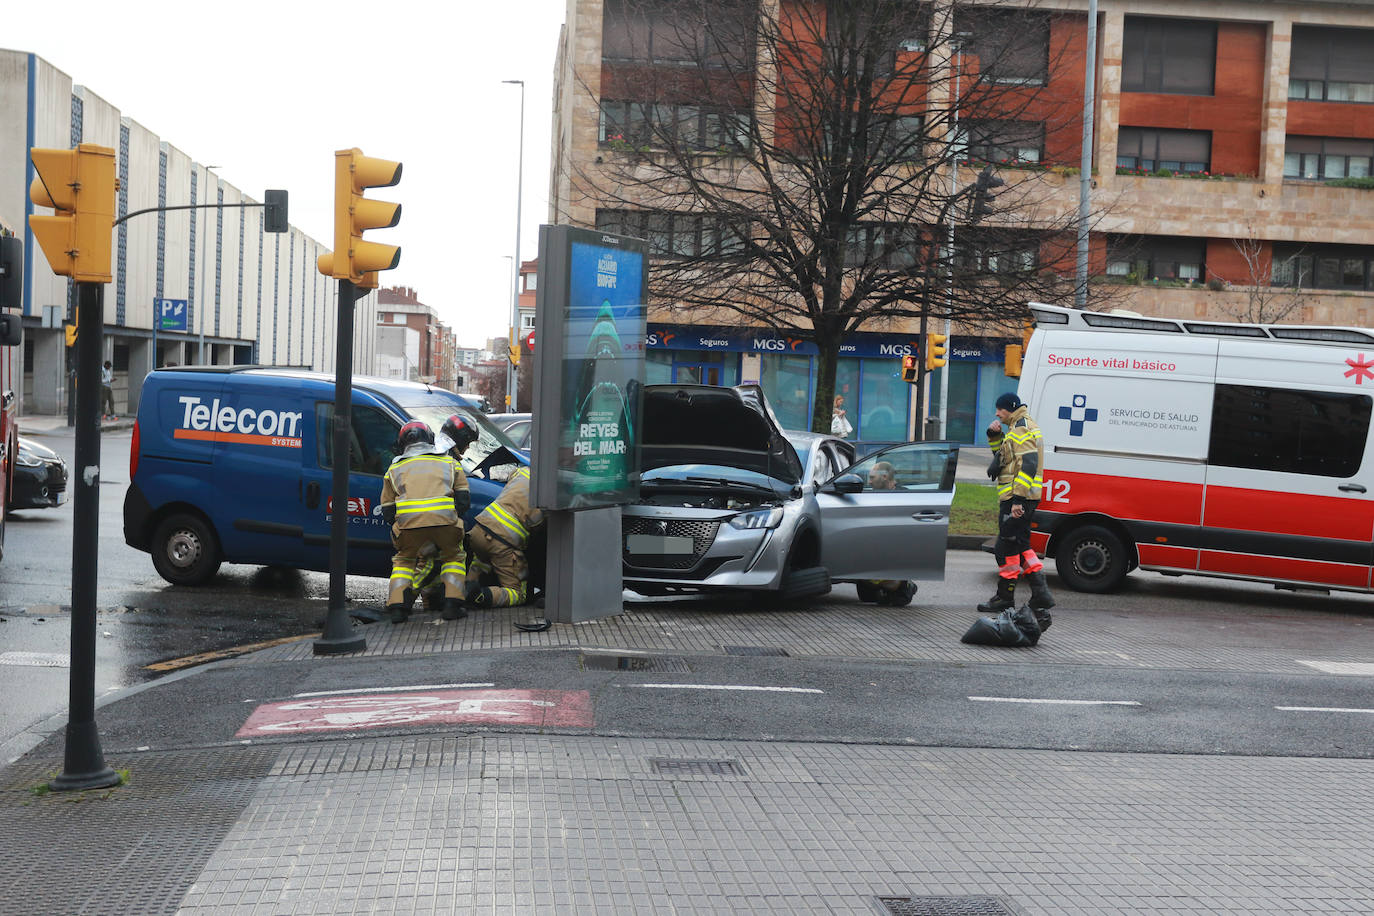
pixel 707 475
pixel 489 438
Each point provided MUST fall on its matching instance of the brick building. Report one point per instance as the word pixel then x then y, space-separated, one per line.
pixel 1233 149
pixel 412 342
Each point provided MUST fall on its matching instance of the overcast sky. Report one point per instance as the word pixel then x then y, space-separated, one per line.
pixel 269 90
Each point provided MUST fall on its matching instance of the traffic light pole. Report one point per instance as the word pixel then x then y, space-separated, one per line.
pixel 83 765
pixel 339 636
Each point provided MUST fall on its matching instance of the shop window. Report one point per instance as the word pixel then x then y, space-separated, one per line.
pixel 1152 149
pixel 883 401
pixel 1169 55
pixel 1331 65
pixel 1324 158
pixel 786 383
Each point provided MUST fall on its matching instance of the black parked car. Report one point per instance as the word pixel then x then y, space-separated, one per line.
pixel 40 477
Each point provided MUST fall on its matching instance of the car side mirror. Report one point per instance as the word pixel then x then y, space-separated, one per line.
pixel 848 483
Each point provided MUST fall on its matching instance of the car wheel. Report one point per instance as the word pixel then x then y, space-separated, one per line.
pixel 1092 559
pixel 185 550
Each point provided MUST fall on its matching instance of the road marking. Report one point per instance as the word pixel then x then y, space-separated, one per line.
pixel 1055 702
pixel 1365 669
pixel 332 693
pixel 1321 709
pixel 175 663
pixel 36 659
pixel 441 707
pixel 728 687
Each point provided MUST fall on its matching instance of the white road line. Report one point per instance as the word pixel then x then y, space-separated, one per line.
pixel 1365 669
pixel 728 687
pixel 1055 702
pixel 330 693
pixel 1321 709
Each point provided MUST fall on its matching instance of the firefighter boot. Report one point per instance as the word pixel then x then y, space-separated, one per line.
pixel 1041 598
pixel 1005 597
pixel 452 609
pixel 400 613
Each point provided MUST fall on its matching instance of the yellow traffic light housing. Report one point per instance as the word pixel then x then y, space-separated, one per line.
pixel 353 258
pixel 79 185
pixel 935 351
pixel 70 331
pixel 1011 362
pixel 513 353
pixel 909 369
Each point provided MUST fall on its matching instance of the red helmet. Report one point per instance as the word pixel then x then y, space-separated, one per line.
pixel 462 432
pixel 413 432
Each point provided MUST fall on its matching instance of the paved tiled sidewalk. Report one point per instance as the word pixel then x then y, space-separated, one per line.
pixel 529 824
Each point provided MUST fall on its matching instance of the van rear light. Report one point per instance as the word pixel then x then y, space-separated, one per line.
pixel 133 454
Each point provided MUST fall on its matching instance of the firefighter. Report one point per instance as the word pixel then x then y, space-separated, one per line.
pixel 460 434
pixel 1018 449
pixel 498 541
pixel 424 496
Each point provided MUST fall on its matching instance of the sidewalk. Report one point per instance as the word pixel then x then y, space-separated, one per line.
pixel 40 425
pixel 560 818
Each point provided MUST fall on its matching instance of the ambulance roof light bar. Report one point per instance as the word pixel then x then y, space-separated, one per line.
pixel 1046 314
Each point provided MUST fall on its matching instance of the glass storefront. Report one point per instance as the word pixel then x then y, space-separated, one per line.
pixel 786 383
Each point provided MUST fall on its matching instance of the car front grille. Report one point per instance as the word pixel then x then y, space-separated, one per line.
pixel 57 478
pixel 701 533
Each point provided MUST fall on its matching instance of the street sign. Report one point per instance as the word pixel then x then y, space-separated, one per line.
pixel 529 341
pixel 171 314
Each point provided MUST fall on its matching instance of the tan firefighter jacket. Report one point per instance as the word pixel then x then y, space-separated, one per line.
pixel 510 517
pixel 421 487
pixel 1020 450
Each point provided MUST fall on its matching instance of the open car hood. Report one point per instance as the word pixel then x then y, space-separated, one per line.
pixel 703 424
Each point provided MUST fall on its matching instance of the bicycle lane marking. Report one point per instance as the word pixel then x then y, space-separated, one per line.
pixel 562 708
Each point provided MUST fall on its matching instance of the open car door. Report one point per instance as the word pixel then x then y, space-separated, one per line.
pixel 887 517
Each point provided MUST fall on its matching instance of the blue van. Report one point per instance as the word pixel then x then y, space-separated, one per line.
pixel 234 464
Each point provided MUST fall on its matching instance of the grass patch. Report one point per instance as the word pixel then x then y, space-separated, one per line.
pixel 974 510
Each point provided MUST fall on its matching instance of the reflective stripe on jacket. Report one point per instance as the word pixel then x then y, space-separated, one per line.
pixel 421 487
pixel 1020 450
pixel 510 515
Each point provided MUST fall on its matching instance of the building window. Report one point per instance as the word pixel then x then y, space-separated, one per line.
pixel 674 235
pixel 1322 158
pixel 1156 258
pixel 531 282
pixel 398 318
pixel 669 33
pixel 1169 55
pixel 1331 65
pixel 636 125
pixel 1007 254
pixel 1002 141
pixel 902 137
pixel 526 322
pixel 1012 46
pixel 1323 267
pixel 1151 149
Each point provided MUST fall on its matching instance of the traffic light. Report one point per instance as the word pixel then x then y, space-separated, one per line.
pixel 982 194
pixel 70 330
pixel 909 368
pixel 11 272
pixel 353 258
pixel 1011 361
pixel 79 184
pixel 274 211
pixel 935 351
pixel 513 349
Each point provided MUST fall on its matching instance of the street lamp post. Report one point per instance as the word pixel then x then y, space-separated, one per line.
pixel 511 400
pixel 204 265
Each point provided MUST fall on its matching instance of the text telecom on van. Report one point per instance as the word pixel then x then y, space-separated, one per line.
pixel 1217 449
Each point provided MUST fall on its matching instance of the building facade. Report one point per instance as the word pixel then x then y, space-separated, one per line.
pixel 1233 149
pixel 426 351
pixel 191 286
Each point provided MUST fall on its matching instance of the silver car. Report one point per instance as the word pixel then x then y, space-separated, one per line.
pixel 728 501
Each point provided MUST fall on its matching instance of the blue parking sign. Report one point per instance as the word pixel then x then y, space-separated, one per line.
pixel 171 314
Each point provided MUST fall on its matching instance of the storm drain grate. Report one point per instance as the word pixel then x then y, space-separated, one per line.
pixel 684 766
pixel 753 650
pixel 946 906
pixel 606 662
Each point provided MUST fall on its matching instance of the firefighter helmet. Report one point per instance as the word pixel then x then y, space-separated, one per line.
pixel 413 432
pixel 461 431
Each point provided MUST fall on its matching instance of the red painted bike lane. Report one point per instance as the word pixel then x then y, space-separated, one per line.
pixel 559 708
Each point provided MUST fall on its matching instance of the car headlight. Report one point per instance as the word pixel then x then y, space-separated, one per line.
pixel 28 459
pixel 760 518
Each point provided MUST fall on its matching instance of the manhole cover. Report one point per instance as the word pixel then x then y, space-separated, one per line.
pixel 752 650
pixel 600 661
pixel 946 906
pixel 681 766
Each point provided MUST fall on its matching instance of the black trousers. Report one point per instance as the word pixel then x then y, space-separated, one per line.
pixel 1013 534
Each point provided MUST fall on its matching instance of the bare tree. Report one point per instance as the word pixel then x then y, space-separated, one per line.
pixel 1268 300
pixel 809 165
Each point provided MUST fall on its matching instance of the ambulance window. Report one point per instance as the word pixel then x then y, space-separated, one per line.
pixel 374 437
pixel 1296 432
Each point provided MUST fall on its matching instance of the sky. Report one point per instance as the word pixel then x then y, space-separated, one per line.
pixel 268 91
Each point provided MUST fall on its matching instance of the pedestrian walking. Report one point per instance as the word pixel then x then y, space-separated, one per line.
pixel 107 408
pixel 839 421
pixel 1018 449
pixel 424 496
pixel 499 540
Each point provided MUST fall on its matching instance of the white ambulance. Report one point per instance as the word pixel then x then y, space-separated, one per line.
pixel 1208 448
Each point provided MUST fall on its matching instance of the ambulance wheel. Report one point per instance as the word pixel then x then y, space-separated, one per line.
pixel 1091 559
pixel 185 550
